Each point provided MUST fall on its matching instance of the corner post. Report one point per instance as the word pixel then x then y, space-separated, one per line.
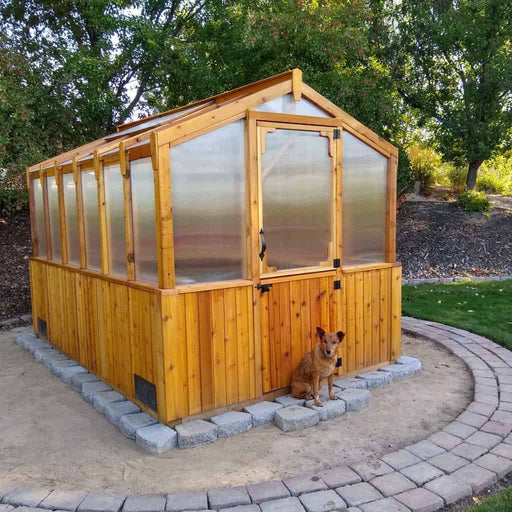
pixel 62 214
pixel 77 177
pixel 390 248
pixel 124 163
pixel 42 177
pixel 102 214
pixel 32 211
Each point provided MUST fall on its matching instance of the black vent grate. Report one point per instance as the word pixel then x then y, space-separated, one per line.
pixel 145 391
pixel 41 327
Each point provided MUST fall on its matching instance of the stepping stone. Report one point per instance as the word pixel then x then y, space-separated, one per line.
pixel 477 477
pixel 114 412
pixel 421 473
pixel 67 373
pixel 303 484
pixel 101 400
pixel 409 361
pixel 82 378
pixel 376 379
pixel 400 459
pixel 266 491
pixel 232 423
pixel 420 500
pixel 27 496
pixel 358 494
pixel 469 451
pixel 290 419
pixel 55 366
pixel 262 412
pixel 228 497
pixel 392 483
pixel 63 500
pixel 398 371
pixel 195 433
pixel 338 477
pixel 425 449
pixel 288 400
pixel 51 356
pixel 369 469
pixel 445 440
pixel 96 502
pixel 351 383
pixel 283 505
pixel 448 462
pixel 355 399
pixel 156 439
pixel 449 488
pixel 181 501
pixel 387 504
pixel 331 409
pixel 322 501
pixel 130 423
pixel 89 389
pixel 145 503
pixel 498 465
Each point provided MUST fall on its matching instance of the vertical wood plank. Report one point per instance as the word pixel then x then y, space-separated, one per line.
pixel 124 161
pixel 390 246
pixel 384 315
pixel 33 225
pixel 242 344
pixel 305 317
pixel 42 177
pixel 102 214
pixel 206 350
pixel 219 354
pixel 255 363
pixel 62 215
pixel 359 306
pixel 367 318
pixel 286 342
pixel 266 357
pixel 193 357
pixel 230 345
pixel 77 176
pixel 275 335
pixel 351 322
pixel 159 357
pixel 396 315
pixel 375 315
pixel 295 324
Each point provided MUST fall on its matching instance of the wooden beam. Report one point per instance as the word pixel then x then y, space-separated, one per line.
pixel 62 215
pixel 102 214
pixel 390 248
pixel 77 177
pixel 163 212
pixel 124 163
pixel 297 84
pixel 32 210
pixel 42 174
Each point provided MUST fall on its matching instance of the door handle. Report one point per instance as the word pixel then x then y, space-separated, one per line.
pixel 263 245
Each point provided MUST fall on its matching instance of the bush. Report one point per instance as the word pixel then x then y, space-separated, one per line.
pixel 495 175
pixel 13 201
pixel 490 184
pixel 473 201
pixel 405 176
pixel 457 178
pixel 424 163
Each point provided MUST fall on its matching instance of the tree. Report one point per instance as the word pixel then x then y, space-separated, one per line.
pixel 452 61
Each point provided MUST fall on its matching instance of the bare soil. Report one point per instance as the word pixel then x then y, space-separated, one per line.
pixel 52 437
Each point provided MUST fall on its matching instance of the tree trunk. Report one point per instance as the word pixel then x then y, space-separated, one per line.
pixel 472 172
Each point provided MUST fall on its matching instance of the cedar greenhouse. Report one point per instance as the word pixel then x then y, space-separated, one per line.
pixel 187 259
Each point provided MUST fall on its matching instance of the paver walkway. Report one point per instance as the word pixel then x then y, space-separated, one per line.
pixel 467 456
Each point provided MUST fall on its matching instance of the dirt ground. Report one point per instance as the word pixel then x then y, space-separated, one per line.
pixel 52 437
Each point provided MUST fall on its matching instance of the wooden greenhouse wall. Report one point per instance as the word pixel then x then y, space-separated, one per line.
pixel 208 347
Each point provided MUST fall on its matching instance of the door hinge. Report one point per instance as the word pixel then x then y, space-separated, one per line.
pixel 336 263
pixel 264 287
pixel 337 285
pixel 337 133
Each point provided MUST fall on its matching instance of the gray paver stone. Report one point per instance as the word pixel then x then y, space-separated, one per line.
pixel 101 400
pixel 55 366
pixel 266 491
pixel 498 465
pixel 66 374
pixel 398 371
pixel 369 469
pixel 232 423
pixel 26 495
pixel 51 356
pixel 41 352
pixel 449 488
pixel 29 509
pixel 304 484
pixel 478 477
pixel 339 476
pixel 425 449
pixel 6 508
pixel 156 439
pixel 469 451
pixel 130 423
pixel 503 450
pixel 503 417
pixel 330 409
pixel 78 380
pixel 484 439
pixel 145 503
pixel 355 399
pixel 392 483
pixel 185 501
pixel 96 502
pixel 322 501
pixel 354 509
pixel 411 361
pixel 6 488
pixel 386 504
pixel 283 505
pixel 195 433
pixel 262 412
pixel 290 419
pixel 448 462
pixel 351 383
pixel 242 508
pixel 421 473
pixel 420 500
pixel 445 440
pixel 358 494
pixel 489 399
pixel 496 427
pixel 114 412
pixel 400 459
pixel 33 344
pixel 63 500
pixel 288 400
pixel 89 389
pixel 376 379
pixel 228 497
pixel 472 419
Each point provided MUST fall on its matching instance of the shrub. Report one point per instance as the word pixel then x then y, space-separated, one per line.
pixel 457 177
pixel 424 163
pixel 13 201
pixel 405 177
pixel 490 184
pixel 473 201
pixel 495 175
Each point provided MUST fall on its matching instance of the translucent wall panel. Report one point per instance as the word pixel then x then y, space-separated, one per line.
pixel 364 203
pixel 114 202
pixel 144 229
pixel 37 190
pixel 53 208
pixel 208 194
pixel 91 220
pixel 287 105
pixel 71 218
pixel 296 174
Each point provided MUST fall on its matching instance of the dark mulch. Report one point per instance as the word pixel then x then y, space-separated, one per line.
pixel 15 250
pixel 436 239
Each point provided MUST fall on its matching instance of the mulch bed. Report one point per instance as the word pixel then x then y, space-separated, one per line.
pixel 434 239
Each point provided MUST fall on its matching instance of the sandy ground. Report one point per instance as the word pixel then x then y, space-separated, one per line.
pixel 51 436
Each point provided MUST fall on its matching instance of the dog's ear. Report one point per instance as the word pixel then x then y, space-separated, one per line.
pixel 340 335
pixel 320 332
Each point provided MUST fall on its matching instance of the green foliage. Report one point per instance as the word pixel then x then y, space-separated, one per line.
pixel 484 307
pixel 405 175
pixel 495 175
pixel 473 201
pixel 498 502
pixel 457 177
pixel 425 163
pixel 13 201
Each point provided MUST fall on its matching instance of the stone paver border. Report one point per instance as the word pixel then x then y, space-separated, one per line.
pixel 447 280
pixel 461 459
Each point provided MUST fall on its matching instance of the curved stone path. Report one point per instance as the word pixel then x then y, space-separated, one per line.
pixel 468 455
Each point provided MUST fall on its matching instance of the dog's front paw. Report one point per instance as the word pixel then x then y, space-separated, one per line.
pixel 318 403
pixel 332 396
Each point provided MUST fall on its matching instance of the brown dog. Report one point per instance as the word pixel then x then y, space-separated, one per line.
pixel 316 366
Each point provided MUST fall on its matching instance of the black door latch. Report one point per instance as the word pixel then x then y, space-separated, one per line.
pixel 264 287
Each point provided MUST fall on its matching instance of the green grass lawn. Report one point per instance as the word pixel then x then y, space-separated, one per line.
pixel 481 307
pixel 500 502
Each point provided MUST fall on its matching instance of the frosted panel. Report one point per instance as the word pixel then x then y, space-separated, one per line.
pixel 37 190
pixel 296 176
pixel 144 229
pixel 53 209
pixel 287 105
pixel 91 220
pixel 364 203
pixel 208 195
pixel 71 218
pixel 114 202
